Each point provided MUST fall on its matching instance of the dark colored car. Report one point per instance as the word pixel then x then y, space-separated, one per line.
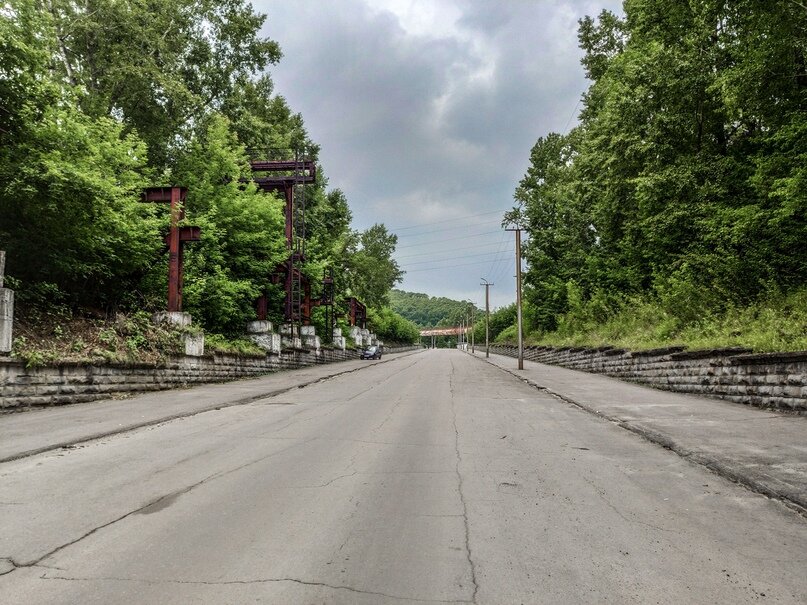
pixel 373 352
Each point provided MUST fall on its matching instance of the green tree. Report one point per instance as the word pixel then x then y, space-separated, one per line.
pixel 372 271
pixel 242 230
pixel 390 327
pixel 684 180
pixel 159 67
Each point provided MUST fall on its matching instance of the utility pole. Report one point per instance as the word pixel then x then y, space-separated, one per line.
pixel 473 325
pixel 517 229
pixel 487 316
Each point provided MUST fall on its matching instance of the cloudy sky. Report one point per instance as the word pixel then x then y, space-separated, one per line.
pixel 426 111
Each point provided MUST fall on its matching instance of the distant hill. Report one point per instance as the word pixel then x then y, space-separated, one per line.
pixel 429 311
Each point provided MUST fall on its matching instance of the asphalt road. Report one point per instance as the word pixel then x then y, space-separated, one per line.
pixel 434 477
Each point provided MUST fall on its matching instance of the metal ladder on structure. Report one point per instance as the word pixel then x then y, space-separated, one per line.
pixel 298 245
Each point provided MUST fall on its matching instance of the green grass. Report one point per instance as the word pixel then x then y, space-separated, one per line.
pixel 216 343
pixel 776 324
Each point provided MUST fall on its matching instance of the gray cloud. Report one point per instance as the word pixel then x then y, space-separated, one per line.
pixel 426 111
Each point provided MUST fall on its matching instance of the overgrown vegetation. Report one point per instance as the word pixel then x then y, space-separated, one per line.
pixel 390 327
pixel 58 336
pixel 677 210
pixel 98 101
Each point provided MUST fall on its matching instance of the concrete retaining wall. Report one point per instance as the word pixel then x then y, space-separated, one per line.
pixel 65 383
pixel 775 380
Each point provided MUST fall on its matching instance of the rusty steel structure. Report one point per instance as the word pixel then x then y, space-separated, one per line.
pixel 327 301
pixel 445 331
pixel 176 238
pixel 289 177
pixel 356 313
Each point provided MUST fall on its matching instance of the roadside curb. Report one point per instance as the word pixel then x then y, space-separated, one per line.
pixel 194 412
pixel 739 475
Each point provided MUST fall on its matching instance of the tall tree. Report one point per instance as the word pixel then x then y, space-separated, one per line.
pixel 684 177
pixel 373 272
pixel 157 66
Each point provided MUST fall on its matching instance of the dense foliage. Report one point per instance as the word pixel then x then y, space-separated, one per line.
pixel 432 311
pixel 683 187
pixel 388 326
pixel 100 99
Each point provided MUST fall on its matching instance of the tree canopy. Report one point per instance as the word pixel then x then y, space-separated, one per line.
pixel 101 98
pixel 684 181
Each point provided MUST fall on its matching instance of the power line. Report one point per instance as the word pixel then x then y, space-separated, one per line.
pixel 450 239
pixel 441 230
pixel 476 264
pixel 450 220
pixel 495 262
pixel 439 260
pixel 476 247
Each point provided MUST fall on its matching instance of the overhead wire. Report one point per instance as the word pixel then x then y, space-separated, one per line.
pixel 495 262
pixel 406 236
pixel 450 220
pixel 476 247
pixel 476 264
pixel 451 239
pixel 438 260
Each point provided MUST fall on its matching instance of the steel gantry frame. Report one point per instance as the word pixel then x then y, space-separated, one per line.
pixel 176 238
pixel 289 177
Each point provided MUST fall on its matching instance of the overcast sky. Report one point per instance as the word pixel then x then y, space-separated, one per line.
pixel 426 111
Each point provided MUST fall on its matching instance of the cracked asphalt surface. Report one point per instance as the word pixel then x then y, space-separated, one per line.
pixel 433 478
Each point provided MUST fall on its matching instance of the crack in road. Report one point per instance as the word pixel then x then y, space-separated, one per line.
pixel 468 553
pixel 254 581
pixel 243 401
pixel 152 506
pixel 326 484
pixel 601 494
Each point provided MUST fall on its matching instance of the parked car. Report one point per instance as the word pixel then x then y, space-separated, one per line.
pixel 372 352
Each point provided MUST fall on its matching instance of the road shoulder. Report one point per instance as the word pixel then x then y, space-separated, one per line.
pixel 40 430
pixel 763 450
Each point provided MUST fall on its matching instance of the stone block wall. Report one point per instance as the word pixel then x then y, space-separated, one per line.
pixel 64 383
pixel 775 380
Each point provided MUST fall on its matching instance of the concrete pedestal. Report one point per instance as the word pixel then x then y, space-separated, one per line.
pixel 176 318
pixel 289 331
pixel 290 336
pixel 194 344
pixel 259 326
pixel 312 342
pixel 6 320
pixel 269 342
pixel 337 339
pixel 260 332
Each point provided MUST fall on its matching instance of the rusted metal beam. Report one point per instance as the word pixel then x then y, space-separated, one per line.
pixel 174 271
pixel 176 237
pixel 279 183
pixel 308 168
pixel 445 331
pixel 356 313
pixel 162 194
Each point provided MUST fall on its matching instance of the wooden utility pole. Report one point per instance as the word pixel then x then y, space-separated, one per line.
pixel 473 325
pixel 487 316
pixel 518 297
